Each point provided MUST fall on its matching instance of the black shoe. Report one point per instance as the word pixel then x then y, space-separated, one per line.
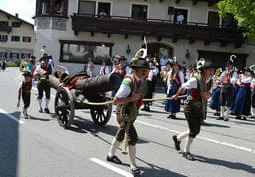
pixel 176 143
pixel 219 118
pixel 136 171
pixel 188 156
pixel 173 117
pixel 169 116
pixel 113 159
pixel 238 117
pixel 47 110
pixel 40 110
pixel 225 119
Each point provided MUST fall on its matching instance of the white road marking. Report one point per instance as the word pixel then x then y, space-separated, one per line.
pixel 111 167
pixel 11 116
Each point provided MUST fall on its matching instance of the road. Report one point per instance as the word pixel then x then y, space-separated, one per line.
pixel 39 147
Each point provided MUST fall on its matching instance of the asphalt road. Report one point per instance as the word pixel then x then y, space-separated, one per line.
pixel 39 147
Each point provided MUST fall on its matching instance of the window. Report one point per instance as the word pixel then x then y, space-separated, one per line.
pixel 16 24
pixel 87 7
pixel 180 16
pixel 104 9
pixel 3 38
pixel 3 23
pixel 52 8
pixel 229 22
pixel 15 38
pixel 139 12
pixel 26 39
pixel 80 51
pixel 14 55
pixel 25 55
pixel 213 19
pixel 3 54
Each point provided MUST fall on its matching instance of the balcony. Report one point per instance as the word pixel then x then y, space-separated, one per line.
pixel 157 28
pixel 7 29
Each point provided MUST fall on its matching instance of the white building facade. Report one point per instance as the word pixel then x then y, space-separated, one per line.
pixel 17 37
pixel 73 31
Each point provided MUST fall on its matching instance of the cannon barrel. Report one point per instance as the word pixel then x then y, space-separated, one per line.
pixel 99 84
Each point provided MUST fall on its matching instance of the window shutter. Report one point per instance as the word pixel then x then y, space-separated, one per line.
pixel 87 7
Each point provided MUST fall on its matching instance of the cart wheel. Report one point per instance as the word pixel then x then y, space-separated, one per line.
pixel 64 107
pixel 101 114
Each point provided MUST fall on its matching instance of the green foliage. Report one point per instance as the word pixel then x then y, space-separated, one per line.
pixel 243 11
pixel 13 64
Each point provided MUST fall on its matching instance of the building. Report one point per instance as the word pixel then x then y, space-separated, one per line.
pixel 73 31
pixel 17 37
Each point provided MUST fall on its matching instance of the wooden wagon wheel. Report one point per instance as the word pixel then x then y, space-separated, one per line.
pixel 64 107
pixel 101 114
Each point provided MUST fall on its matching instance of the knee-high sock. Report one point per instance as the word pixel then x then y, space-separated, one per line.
pixel 47 101
pixel 222 109
pixel 132 153
pixel 188 144
pixel 253 111
pixel 182 135
pixel 114 147
pixel 40 102
pixel 227 112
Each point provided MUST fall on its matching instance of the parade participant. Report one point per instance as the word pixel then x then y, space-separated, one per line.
pixel 198 91
pixel 43 83
pixel 174 81
pixel 253 95
pixel 119 67
pixel 242 102
pixel 25 91
pixel 228 79
pixel 104 69
pixel 151 81
pixel 215 99
pixel 127 100
pixel 90 67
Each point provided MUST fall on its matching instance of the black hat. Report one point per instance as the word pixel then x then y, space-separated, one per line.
pixel 138 63
pixel 119 57
pixel 203 63
pixel 27 73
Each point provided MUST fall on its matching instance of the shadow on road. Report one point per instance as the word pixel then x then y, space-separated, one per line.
pixel 9 138
pixel 231 165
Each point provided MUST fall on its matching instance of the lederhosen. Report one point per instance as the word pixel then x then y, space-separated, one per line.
pixel 127 114
pixel 226 94
pixel 193 108
pixel 43 83
pixel 26 93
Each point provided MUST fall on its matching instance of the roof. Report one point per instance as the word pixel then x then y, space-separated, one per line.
pixel 13 16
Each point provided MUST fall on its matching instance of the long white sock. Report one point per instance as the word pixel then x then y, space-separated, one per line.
pixel 132 153
pixel 227 112
pixel 40 102
pixel 188 144
pixel 253 111
pixel 114 147
pixel 47 101
pixel 222 109
pixel 182 135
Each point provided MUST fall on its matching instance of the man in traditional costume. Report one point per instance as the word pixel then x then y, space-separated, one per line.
pixel 198 91
pixel 128 98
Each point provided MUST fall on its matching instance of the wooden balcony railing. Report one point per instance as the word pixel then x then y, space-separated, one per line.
pixel 157 28
pixel 6 28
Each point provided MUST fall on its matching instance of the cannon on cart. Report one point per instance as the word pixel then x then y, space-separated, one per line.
pixel 75 91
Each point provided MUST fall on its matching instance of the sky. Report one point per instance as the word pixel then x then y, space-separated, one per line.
pixel 25 8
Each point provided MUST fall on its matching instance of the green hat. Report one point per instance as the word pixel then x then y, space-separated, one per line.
pixel 138 63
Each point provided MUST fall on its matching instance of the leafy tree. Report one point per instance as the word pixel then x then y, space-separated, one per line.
pixel 243 11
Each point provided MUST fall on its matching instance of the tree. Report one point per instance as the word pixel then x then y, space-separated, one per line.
pixel 243 11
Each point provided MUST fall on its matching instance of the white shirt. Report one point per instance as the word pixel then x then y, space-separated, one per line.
pixel 180 18
pixel 192 83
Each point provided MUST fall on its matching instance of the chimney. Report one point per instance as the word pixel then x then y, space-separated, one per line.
pixel 17 15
